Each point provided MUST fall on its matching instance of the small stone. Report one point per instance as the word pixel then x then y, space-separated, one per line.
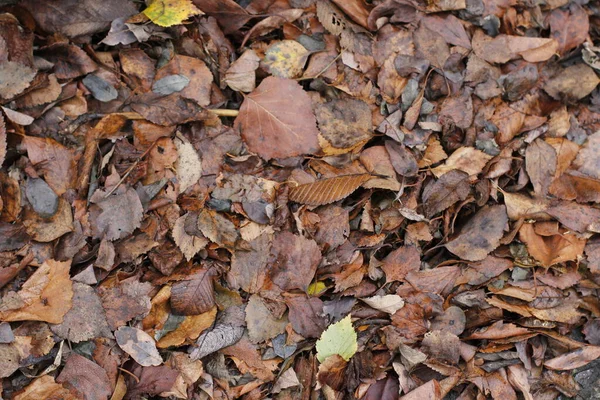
pixel 41 197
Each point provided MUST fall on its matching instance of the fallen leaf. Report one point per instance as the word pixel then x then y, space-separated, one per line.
pixel 87 377
pixel 286 59
pixel 345 125
pixel 188 330
pixel 541 161
pixel 451 188
pixel 193 69
pixel 574 359
pixel 466 159
pixel 327 191
pixel 139 345
pixel 227 330
pixel 217 228
pixel 569 27
pixel 293 261
pixel 306 315
pixel 53 160
pixel 188 165
pixel 194 295
pixel 75 18
pixel 551 249
pixel 276 120
pixel 337 339
pixel 116 216
pixel 86 319
pixel 572 83
pixel 46 296
pixel 389 303
pixel 45 387
pixel 400 262
pixel 262 325
pixel 241 75
pixel 481 234
pixel 189 245
pixel 170 12
pixel 170 84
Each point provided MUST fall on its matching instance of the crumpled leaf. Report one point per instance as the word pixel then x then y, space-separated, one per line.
pixel 466 159
pixel 139 345
pixel 338 339
pixel 171 12
pixel 276 120
pixel 46 296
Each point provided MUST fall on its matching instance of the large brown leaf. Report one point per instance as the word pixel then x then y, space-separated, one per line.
pixel 53 160
pixel 569 27
pixel 540 161
pixel 194 295
pixel 481 234
pixel 450 188
pixel 46 296
pixel 293 261
pixel 276 120
pixel 327 191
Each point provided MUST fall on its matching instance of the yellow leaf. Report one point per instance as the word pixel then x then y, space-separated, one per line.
pixel 171 12
pixel 316 288
pixel 339 338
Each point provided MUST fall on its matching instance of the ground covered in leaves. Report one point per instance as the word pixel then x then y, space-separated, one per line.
pixel 299 199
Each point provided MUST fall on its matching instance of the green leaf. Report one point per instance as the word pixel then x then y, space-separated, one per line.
pixel 340 339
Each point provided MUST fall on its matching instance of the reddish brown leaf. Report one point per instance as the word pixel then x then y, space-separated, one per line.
pixel 87 377
pixel 443 193
pixel 574 359
pixel 400 262
pixel 569 27
pixel 327 191
pixel 195 295
pixel 276 120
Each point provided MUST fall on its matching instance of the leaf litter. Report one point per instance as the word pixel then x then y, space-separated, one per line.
pixel 299 199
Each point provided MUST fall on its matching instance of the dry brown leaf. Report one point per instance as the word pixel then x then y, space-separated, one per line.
pixel 450 188
pixel 467 159
pixel 261 323
pixel 194 295
pixel 400 262
pixel 196 71
pixel 569 27
pixel 293 261
pixel 327 191
pixel 188 330
pixel 52 160
pixel 45 387
pixel 540 161
pixel 574 359
pixel 189 245
pixel 46 296
pixel 572 83
pixel 551 249
pixel 276 120
pixel 241 75
pixel 481 234
pixel 217 228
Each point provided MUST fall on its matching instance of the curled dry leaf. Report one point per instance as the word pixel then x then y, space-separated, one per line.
pixel 276 120
pixel 327 191
pixel 139 345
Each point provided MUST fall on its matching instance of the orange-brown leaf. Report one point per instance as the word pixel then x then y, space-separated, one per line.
pixel 327 191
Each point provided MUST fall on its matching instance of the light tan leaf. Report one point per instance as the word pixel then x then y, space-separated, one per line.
pixel 389 303
pixel 467 159
pixel 2 140
pixel 327 191
pixel 188 244
pixel 574 359
pixel 188 165
pixel 139 345
pixel 46 296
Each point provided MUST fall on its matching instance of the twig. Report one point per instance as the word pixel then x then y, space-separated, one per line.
pixel 130 169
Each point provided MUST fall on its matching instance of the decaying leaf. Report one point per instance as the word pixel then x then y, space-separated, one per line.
pixel 170 12
pixel 327 191
pixel 389 303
